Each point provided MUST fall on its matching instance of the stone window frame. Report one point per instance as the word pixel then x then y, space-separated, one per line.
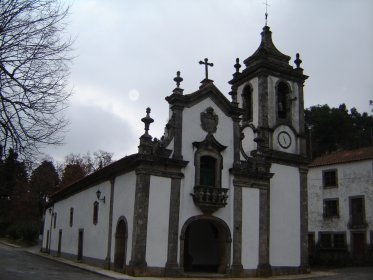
pixel 333 243
pixel 248 114
pixel 328 205
pixel 95 212
pixel 71 222
pixel 287 101
pixel 363 222
pixel 326 178
pixel 218 165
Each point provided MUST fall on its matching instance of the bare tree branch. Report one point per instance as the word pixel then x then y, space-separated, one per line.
pixel 35 54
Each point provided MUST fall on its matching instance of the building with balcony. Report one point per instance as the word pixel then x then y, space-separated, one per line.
pixel 340 208
pixel 223 191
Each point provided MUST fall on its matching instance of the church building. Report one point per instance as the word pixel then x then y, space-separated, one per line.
pixel 223 191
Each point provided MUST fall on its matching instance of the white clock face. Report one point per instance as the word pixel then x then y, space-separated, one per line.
pixel 284 139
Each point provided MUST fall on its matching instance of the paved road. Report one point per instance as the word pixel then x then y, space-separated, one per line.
pixel 15 264
pixel 348 273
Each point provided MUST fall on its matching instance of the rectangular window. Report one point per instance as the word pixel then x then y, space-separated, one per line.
pixel 330 178
pixel 332 240
pixel 71 216
pixel 357 212
pixel 95 213
pixel 55 220
pixel 331 208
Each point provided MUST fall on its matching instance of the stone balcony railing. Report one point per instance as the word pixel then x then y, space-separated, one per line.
pixel 209 199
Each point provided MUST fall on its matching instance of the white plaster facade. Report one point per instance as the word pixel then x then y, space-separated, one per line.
pixel 220 192
pixel 354 179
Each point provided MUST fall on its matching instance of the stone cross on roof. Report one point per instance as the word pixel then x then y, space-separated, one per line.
pixel 206 67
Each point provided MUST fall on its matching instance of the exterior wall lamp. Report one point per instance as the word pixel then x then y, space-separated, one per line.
pixel 98 194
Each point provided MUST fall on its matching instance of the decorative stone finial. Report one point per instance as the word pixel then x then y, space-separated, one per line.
pixel 146 145
pixel 178 79
pixel 237 66
pixel 297 61
pixel 147 120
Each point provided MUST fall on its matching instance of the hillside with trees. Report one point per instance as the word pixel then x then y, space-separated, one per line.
pixel 335 129
pixel 24 195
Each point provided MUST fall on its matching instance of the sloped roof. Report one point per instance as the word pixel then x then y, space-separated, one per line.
pixel 344 157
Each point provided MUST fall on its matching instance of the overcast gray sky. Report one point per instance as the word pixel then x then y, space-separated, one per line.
pixel 128 52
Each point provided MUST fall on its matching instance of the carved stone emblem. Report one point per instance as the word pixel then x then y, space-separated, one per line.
pixel 209 120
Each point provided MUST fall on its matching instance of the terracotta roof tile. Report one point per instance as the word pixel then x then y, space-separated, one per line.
pixel 343 157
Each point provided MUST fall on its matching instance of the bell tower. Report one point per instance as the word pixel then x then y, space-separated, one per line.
pixel 270 92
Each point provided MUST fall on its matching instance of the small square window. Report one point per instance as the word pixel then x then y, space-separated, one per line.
pixel 331 208
pixel 339 240
pixel 330 178
pixel 325 240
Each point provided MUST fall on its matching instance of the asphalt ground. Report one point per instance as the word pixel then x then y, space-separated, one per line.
pixel 20 263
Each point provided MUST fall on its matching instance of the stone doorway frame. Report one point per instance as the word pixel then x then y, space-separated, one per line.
pixel 123 249
pixel 222 226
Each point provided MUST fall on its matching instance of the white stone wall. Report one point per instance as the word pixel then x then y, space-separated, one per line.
pixel 354 179
pixel 82 203
pixel 158 218
pixel 285 216
pixel 124 201
pixel 250 228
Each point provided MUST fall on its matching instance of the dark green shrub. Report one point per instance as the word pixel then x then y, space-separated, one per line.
pixel 25 231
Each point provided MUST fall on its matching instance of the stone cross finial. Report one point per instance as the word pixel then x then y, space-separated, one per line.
pixel 266 14
pixel 206 65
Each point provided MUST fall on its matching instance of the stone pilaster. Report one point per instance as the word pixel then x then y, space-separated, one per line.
pixel 237 268
pixel 110 232
pixel 263 108
pixel 303 144
pixel 236 139
pixel 264 267
pixel 304 265
pixel 137 265
pixel 172 266
pixel 178 138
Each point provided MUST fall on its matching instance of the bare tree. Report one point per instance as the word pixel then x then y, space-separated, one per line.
pixel 35 52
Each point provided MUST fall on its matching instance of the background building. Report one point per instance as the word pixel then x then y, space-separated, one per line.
pixel 340 207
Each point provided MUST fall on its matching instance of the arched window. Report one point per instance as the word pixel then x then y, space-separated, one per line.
pixel 95 212
pixel 247 103
pixel 283 106
pixel 207 171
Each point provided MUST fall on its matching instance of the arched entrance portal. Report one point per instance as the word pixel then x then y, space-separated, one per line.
pixel 205 245
pixel 120 245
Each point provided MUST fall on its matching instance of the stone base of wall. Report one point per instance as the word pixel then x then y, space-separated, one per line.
pixel 178 272
pixel 340 258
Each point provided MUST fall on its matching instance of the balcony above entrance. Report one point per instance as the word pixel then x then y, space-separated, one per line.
pixel 209 199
